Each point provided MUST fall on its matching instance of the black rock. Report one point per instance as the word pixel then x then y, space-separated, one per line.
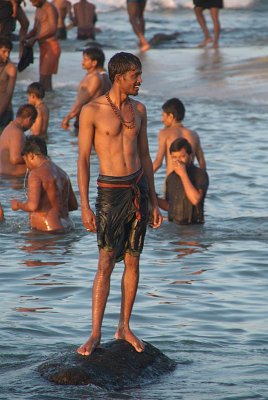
pixel 115 365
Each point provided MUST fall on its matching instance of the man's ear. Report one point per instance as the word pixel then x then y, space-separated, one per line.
pixel 117 78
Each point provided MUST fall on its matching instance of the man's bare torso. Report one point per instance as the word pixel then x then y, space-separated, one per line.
pixel 44 22
pixel 115 144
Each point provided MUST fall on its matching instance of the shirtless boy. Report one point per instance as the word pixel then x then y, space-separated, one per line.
pixel 50 193
pixel 117 127
pixel 45 33
pixel 12 141
pixel 36 93
pixel 8 76
pixel 172 116
pixel 94 84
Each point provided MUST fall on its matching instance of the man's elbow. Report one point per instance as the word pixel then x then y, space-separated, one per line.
pixel 32 207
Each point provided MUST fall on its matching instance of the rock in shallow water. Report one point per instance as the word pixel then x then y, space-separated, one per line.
pixel 115 365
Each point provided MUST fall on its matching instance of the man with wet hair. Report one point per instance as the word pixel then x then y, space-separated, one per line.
pixel 186 187
pixel 12 141
pixel 8 76
pixel 50 193
pixel 117 128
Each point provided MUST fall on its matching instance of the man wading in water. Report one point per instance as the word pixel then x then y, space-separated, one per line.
pixel 117 126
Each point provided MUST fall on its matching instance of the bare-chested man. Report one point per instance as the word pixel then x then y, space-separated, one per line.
pixel 12 141
pixel 8 76
pixel 117 127
pixel 85 18
pixel 172 116
pixel 45 33
pixel 64 8
pixel 36 94
pixel 50 193
pixel 94 84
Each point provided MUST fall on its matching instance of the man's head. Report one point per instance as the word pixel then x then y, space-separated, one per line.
pixel 125 70
pixel 96 55
pixel 173 109
pixel 34 148
pixel 5 49
pixel 35 91
pixel 26 115
pixel 37 3
pixel 181 151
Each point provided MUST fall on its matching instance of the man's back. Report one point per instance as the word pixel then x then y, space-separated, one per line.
pixel 11 143
pixel 53 211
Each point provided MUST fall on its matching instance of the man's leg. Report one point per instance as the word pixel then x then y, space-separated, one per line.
pixel 202 22
pixel 214 12
pixel 100 293
pixel 46 82
pixel 137 24
pixel 129 286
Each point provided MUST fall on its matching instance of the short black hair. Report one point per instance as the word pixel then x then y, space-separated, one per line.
pixel 179 144
pixel 26 111
pixel 6 42
pixel 96 54
pixel 36 88
pixel 175 107
pixel 121 63
pixel 34 144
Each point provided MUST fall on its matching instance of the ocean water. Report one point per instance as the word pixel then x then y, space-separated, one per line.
pixel 202 297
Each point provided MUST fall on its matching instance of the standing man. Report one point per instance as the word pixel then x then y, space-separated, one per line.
pixel 186 187
pixel 94 83
pixel 85 18
pixel 45 33
pixel 135 9
pixel 12 141
pixel 117 126
pixel 214 7
pixel 8 76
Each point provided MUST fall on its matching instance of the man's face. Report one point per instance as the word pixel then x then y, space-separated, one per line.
pixel 131 81
pixel 181 157
pixel 87 62
pixel 4 55
pixel 37 3
pixel 167 119
pixel 28 160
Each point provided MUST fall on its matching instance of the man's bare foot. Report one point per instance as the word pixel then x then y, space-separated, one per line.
pixel 205 42
pixel 215 45
pixel 88 348
pixel 145 47
pixel 129 337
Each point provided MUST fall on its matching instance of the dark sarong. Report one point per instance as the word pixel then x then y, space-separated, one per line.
pixel 122 213
pixel 208 3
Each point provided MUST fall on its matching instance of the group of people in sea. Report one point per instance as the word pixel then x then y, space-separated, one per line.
pixel 115 125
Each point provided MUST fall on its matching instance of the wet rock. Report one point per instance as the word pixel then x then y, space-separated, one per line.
pixel 115 365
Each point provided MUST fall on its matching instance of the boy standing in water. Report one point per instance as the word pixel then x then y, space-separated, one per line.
pixel 36 93
pixel 172 117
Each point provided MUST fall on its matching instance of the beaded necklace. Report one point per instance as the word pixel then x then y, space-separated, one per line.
pixel 128 124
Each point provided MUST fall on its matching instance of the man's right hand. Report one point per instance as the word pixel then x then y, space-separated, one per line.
pixel 89 220
pixel 65 123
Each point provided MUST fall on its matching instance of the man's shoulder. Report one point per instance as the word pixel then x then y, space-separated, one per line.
pixel 138 105
pixel 11 69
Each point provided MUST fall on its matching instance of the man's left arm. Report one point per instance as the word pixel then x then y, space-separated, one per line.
pixel 12 76
pixel 34 194
pixel 146 163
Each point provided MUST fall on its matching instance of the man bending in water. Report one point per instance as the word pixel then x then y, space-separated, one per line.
pixel 50 193
pixel 117 126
